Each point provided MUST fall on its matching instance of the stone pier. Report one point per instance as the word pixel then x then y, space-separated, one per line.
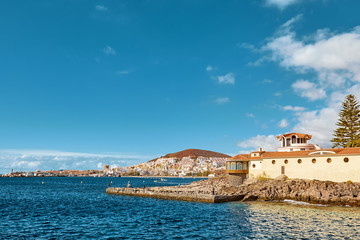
pixel 174 193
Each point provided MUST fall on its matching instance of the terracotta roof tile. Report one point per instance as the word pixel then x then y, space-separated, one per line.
pixel 299 135
pixel 337 151
pixel 240 157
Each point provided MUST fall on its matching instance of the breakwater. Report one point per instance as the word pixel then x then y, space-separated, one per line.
pixel 174 193
pixel 219 190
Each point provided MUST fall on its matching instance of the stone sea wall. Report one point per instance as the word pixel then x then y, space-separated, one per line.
pixel 220 190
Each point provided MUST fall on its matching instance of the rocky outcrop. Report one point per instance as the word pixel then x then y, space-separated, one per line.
pixel 219 190
pixel 311 191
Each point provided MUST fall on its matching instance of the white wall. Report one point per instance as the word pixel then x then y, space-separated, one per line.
pixel 337 170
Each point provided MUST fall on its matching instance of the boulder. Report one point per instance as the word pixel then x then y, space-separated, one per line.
pixel 282 178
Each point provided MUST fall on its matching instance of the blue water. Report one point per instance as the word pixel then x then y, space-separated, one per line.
pixel 65 208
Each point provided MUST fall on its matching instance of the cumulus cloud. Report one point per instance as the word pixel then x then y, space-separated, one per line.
pixel 293 108
pixel 281 4
pixel 109 50
pixel 251 115
pixel 209 68
pixel 308 90
pixel 319 123
pixel 267 143
pixel 227 79
pixel 101 8
pixel 30 160
pixel 332 59
pixel 221 101
pixel 283 123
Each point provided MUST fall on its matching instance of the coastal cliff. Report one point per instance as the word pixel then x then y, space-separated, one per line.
pixel 219 190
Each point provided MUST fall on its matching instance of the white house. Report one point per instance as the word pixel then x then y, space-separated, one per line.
pixel 298 159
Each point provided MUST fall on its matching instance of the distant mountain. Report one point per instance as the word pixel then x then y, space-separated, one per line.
pixel 194 153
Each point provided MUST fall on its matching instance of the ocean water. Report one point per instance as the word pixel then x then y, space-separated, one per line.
pixel 65 208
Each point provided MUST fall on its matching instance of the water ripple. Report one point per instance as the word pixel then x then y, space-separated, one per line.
pixel 63 208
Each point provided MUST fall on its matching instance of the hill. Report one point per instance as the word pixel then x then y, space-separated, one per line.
pixel 194 153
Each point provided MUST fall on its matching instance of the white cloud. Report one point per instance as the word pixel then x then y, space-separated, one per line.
pixel 122 72
pixel 293 108
pixel 221 101
pixel 278 94
pixel 248 46
pixel 281 4
pixel 309 90
pixel 283 123
pixel 251 115
pixel 227 79
pixel 101 8
pixel 334 57
pixel 109 50
pixel 319 123
pixel 267 81
pixel 333 60
pixel 30 160
pixel 209 68
pixel 267 143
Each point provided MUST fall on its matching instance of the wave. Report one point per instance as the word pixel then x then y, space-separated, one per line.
pixel 303 203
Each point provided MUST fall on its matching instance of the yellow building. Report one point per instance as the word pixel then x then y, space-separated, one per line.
pixel 339 164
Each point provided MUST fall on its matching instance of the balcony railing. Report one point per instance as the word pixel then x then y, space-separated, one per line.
pixel 237 171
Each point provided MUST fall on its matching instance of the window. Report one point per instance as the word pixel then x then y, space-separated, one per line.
pixel 328 160
pixel 313 160
pixel 293 139
pixel 233 166
pixel 299 161
pixel 239 166
pixel 346 160
pixel 228 166
pixel 245 166
pixel 273 161
pixel 286 161
pixel 302 149
pixel 254 166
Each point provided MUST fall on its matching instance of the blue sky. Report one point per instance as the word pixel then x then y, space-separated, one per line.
pixel 86 83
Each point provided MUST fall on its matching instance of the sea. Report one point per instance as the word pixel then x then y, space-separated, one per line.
pixel 79 208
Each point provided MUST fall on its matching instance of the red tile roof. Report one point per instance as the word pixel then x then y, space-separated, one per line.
pixel 337 151
pixel 240 157
pixel 299 135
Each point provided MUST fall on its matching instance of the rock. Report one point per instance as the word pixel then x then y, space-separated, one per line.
pixel 250 181
pixel 281 178
pixel 250 197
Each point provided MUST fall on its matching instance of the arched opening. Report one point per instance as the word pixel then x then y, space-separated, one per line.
pixel 245 166
pixel 239 166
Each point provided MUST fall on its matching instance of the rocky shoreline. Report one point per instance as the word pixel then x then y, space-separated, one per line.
pixel 218 190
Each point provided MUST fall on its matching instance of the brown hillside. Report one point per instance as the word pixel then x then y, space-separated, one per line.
pixel 195 153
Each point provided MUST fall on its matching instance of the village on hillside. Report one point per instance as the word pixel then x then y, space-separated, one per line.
pixel 190 162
